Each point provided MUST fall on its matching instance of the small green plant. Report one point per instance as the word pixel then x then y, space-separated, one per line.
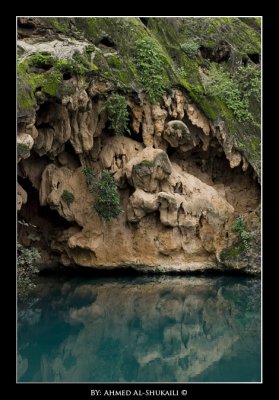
pixel 68 197
pixel 181 71
pixel 27 259
pixel 248 78
pixel 150 61
pixel 190 47
pixel 244 236
pixel 41 60
pixel 107 205
pixel 90 176
pixel 90 48
pixel 70 66
pixel 118 115
pixel 22 150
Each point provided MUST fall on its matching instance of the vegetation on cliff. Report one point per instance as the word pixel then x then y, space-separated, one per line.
pixel 107 198
pixel 215 60
pixel 107 205
pixel 27 259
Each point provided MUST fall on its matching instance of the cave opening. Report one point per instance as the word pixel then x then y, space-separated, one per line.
pixel 171 150
pixel 219 54
pixel 44 125
pixel 42 115
pixel 67 76
pixel 38 224
pixel 73 158
pixel 213 168
pixel 136 136
pixel 25 25
pixel 106 41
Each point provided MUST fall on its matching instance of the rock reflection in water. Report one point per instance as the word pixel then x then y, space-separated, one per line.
pixel 168 329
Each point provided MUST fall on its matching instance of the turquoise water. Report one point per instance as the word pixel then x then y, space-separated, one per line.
pixel 141 329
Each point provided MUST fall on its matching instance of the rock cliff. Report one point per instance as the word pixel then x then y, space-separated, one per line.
pixel 170 107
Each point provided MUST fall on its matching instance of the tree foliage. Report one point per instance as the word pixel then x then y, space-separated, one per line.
pixel 118 115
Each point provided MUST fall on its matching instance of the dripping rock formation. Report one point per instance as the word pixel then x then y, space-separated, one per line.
pixel 185 158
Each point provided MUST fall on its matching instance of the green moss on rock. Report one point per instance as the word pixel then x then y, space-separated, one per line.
pixel 113 53
pixel 144 163
pixel 22 150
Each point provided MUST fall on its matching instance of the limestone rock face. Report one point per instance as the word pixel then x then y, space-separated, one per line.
pixel 191 221
pixel 54 182
pixel 185 173
pixel 148 169
pixel 197 117
pixel 116 154
pixel 178 134
pixel 58 48
pixel 25 143
pixel 21 196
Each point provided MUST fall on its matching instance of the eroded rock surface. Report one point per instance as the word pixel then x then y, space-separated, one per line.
pixel 182 175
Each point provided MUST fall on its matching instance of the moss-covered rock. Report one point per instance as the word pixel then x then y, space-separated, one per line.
pixel 245 251
pixel 128 53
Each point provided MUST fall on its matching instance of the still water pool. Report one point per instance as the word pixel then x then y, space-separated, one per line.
pixel 141 329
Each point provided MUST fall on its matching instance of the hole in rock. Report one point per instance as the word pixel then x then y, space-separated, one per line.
pixel 44 223
pixel 67 76
pixel 136 136
pixel 221 53
pixel 106 41
pixel 213 168
pixel 25 23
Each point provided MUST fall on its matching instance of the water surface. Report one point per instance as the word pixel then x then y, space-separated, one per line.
pixel 141 329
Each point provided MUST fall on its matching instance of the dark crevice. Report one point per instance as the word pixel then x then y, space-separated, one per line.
pixel 171 150
pixel 131 189
pixel 25 23
pixel 132 273
pixel 136 136
pixel 32 209
pixel 213 168
pixel 42 224
pixel 42 68
pixel 220 54
pixel 74 158
pixel 43 111
pixel 106 41
pixel 67 76
pixel 44 125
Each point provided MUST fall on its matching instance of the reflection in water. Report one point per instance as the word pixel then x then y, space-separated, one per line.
pixel 159 329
